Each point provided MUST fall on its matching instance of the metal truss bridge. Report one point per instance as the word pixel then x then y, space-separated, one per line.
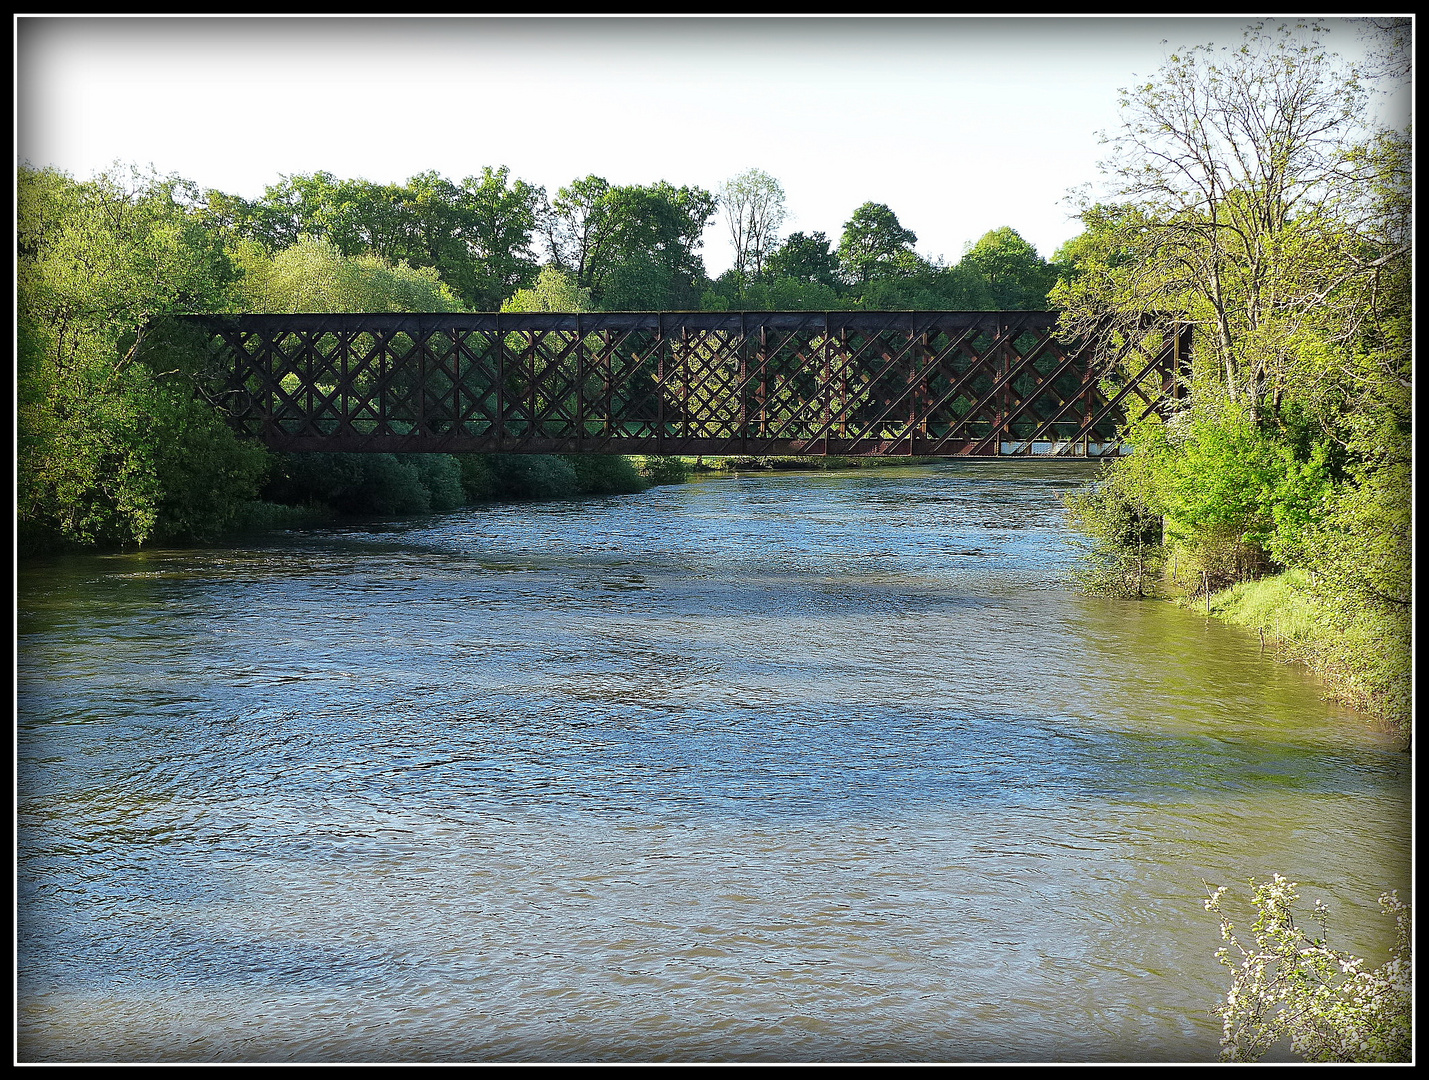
pixel 985 384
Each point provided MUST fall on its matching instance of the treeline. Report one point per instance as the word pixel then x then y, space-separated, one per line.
pixel 1252 199
pixel 118 445
pixel 608 247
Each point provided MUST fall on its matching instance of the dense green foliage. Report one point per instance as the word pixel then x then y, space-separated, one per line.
pixel 114 446
pixel 664 469
pixel 368 483
pixel 313 275
pixel 635 248
pixel 875 245
pixel 554 290
pixel 875 268
pixel 119 444
pixel 1249 203
pixel 476 235
pixel 386 484
pixel 1015 277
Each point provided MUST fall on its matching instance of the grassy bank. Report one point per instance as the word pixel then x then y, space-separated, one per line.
pixel 1362 657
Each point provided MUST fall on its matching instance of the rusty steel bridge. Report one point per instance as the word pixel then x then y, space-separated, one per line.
pixel 935 384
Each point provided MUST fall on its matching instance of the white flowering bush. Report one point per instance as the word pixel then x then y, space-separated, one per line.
pixel 1288 985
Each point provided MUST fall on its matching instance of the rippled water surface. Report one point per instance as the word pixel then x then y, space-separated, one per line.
pixel 784 767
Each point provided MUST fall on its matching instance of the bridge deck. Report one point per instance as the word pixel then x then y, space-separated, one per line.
pixel 977 384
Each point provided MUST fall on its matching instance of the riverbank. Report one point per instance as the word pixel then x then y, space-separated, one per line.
pixel 794 464
pixel 308 490
pixel 318 489
pixel 1363 660
pixel 496 479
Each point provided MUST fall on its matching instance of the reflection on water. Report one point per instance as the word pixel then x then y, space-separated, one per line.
pixel 782 767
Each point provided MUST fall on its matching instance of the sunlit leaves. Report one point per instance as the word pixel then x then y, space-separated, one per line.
pixel 477 234
pixel 313 275
pixel 113 445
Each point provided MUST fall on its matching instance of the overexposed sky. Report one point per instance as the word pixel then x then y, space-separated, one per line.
pixel 960 124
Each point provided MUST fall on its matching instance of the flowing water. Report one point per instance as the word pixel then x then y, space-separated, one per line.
pixel 782 767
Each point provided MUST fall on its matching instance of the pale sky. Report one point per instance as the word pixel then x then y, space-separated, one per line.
pixel 961 125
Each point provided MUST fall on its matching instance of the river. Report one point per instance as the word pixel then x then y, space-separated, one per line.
pixel 777 767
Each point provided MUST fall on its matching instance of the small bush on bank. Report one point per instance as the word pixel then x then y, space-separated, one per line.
pixel 1120 573
pixel 664 469
pixel 531 476
pixel 1123 555
pixel 361 484
pixel 605 474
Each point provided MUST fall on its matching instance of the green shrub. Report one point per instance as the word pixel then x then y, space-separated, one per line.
pixel 383 484
pixel 1113 510
pixel 1123 555
pixel 441 475
pixel 605 474
pixel 127 458
pixel 664 469
pixel 478 481
pixel 364 484
pixel 205 473
pixel 114 447
pixel 1237 497
pixel 531 476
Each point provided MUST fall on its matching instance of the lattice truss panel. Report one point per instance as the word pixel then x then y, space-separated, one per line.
pixel 981 384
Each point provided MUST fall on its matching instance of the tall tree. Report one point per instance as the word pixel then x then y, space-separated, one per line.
pixel 576 227
pixel 807 259
pixel 114 445
pixel 875 245
pixel 497 219
pixel 1017 277
pixel 753 205
pixel 634 247
pixel 1234 205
